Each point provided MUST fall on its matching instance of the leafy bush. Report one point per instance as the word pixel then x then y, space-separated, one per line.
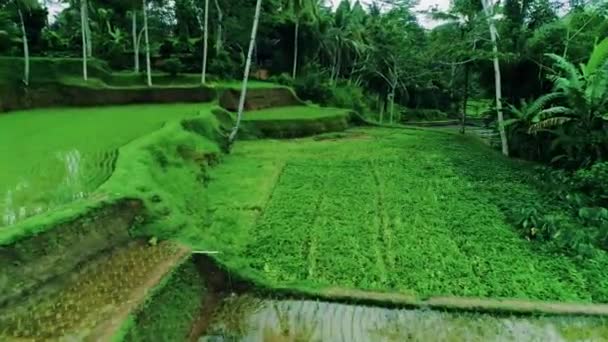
pixel 173 66
pixel 594 182
pixel 349 96
pixel 409 114
pixel 282 79
pixel 225 67
pixel 314 87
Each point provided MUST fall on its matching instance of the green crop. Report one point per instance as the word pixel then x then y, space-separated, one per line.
pixel 390 210
pixel 54 156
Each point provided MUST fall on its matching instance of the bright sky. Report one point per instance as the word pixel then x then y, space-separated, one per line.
pixel 423 5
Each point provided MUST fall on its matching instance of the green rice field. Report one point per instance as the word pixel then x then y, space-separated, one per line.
pixel 395 210
pixel 54 156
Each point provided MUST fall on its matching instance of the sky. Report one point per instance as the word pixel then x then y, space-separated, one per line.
pixel 423 5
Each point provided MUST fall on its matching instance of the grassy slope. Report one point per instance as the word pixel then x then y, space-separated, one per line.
pixel 51 156
pixel 391 210
pixel 293 112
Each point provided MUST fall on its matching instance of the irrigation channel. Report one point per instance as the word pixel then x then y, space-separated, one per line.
pixel 248 318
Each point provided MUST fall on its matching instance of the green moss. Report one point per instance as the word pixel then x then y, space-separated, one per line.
pixel 170 310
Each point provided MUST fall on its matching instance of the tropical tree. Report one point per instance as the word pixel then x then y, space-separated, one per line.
pixel 300 10
pixel 219 30
pixel 203 21
pixel 25 5
pixel 84 23
pixel 580 120
pixel 147 42
pixel 205 42
pixel 491 17
pixel 254 31
pixel 135 35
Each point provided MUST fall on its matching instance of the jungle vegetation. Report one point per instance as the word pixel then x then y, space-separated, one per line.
pixel 540 67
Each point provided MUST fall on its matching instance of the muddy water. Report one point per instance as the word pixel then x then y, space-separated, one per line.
pixel 245 318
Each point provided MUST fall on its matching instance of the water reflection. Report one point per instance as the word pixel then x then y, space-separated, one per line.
pixel 294 320
pixel 65 177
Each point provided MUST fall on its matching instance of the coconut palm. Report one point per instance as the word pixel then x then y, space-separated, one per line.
pixel 22 6
pixel 84 23
pixel 300 10
pixel 147 42
pixel 489 11
pixel 254 31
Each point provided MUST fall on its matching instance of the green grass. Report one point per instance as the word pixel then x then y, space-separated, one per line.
pixel 54 156
pixel 389 210
pixel 293 112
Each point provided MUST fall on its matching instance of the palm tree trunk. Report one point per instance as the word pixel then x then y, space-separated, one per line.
pixel 465 99
pixel 295 49
pixel 254 31
pixel 205 42
pixel 392 103
pixel 135 41
pixel 147 41
pixel 26 51
pixel 87 27
pixel 497 78
pixel 83 16
pixel 219 36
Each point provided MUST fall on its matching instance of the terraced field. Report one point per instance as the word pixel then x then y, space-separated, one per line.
pixel 54 156
pixel 252 319
pixel 391 210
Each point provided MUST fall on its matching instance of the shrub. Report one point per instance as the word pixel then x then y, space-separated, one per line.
pixel 173 66
pixel 349 96
pixel 594 182
pixel 282 79
pixel 225 67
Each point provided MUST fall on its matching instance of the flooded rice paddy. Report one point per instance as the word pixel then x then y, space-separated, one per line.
pixel 50 157
pixel 246 318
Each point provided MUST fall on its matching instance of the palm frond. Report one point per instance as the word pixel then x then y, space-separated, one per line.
pixel 598 58
pixel 548 123
pixel 572 73
pixel 557 110
pixel 540 103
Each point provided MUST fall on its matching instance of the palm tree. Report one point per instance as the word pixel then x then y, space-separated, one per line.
pixel 85 41
pixel 205 42
pixel 219 30
pixel 299 9
pixel 254 31
pixel 25 5
pixel 135 40
pixel 147 42
pixel 465 14
pixel 488 8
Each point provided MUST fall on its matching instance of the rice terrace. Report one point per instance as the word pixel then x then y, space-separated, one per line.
pixel 295 170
